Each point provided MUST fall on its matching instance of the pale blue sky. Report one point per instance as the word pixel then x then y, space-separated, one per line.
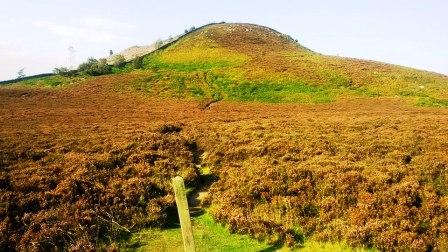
pixel 35 35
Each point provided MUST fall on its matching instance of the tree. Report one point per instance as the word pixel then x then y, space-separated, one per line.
pixel 100 68
pixel 95 67
pixel 119 61
pixel 83 67
pixel 137 62
pixel 61 71
pixel 64 71
pixel 158 43
pixel 21 73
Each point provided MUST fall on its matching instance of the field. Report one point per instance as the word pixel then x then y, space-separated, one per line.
pixel 84 164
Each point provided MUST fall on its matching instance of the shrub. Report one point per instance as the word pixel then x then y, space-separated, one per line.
pixel 123 187
pixel 137 62
pixel 21 73
pixel 63 71
pixel 388 194
pixel 87 65
pixel 169 128
pixel 60 70
pixel 158 43
pixel 119 61
pixel 95 67
pixel 190 30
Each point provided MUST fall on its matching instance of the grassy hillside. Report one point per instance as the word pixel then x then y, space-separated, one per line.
pixel 86 162
pixel 248 62
pixel 244 62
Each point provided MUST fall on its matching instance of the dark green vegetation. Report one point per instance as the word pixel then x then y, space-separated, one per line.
pixel 95 67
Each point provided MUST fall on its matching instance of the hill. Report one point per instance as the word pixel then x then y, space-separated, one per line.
pixel 86 161
pixel 246 62
pixel 251 62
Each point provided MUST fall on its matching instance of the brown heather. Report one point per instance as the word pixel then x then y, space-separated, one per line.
pixel 81 165
pixel 84 164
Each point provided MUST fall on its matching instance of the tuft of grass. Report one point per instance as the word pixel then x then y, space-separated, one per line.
pixel 432 102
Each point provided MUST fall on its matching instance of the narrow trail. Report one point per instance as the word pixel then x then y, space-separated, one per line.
pixel 208 104
pixel 197 198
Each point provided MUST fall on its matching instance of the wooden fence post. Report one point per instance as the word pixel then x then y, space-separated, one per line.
pixel 184 214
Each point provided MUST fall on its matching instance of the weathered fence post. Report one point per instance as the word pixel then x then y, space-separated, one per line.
pixel 184 214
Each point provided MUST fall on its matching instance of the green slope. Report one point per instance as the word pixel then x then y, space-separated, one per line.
pixel 245 62
pixel 253 63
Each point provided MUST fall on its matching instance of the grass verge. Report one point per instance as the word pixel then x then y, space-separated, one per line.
pixel 211 236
